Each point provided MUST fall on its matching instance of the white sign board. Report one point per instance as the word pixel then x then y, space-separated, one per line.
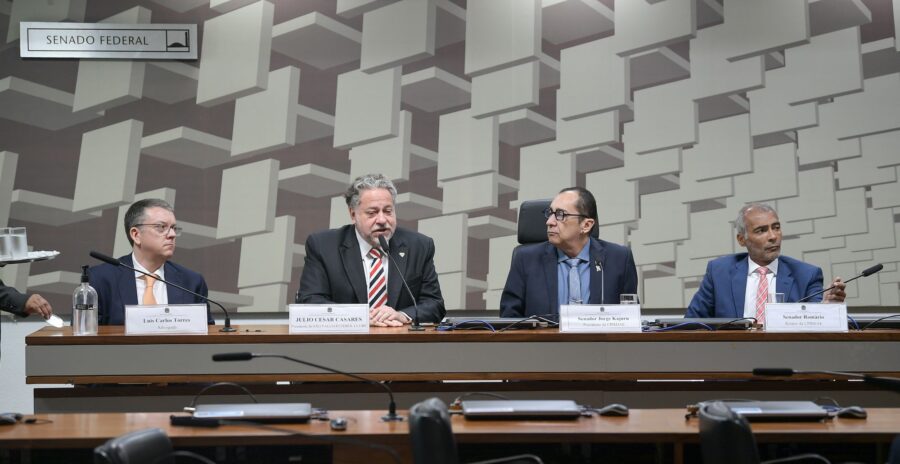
pixel 112 41
pixel 600 318
pixel 165 319
pixel 335 318
pixel 806 317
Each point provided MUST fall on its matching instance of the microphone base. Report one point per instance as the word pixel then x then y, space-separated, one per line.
pixel 391 418
pixel 228 329
pixel 416 328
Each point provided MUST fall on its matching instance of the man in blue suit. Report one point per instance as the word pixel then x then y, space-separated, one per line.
pixel 738 286
pixel 571 267
pixel 151 230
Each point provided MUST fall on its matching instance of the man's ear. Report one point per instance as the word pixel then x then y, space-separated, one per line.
pixel 352 215
pixel 134 233
pixel 741 240
pixel 590 223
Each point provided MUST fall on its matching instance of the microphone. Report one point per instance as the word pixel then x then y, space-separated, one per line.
pixel 886 383
pixel 246 356
pixel 599 266
pixel 865 273
pixel 415 327
pixel 116 262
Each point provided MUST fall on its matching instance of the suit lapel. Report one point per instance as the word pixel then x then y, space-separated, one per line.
pixel 550 276
pixel 598 255
pixel 352 261
pixel 396 268
pixel 127 286
pixel 739 285
pixel 784 280
pixel 173 294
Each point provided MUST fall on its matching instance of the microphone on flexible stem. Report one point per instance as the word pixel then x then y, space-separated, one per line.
pixel 414 327
pixel 116 262
pixel 246 356
pixel 865 273
pixel 886 383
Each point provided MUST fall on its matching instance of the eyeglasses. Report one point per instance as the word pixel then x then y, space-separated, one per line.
pixel 162 229
pixel 560 214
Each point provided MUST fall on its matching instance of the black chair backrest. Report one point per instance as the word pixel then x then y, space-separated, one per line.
pixel 146 446
pixel 725 436
pixel 532 227
pixel 431 434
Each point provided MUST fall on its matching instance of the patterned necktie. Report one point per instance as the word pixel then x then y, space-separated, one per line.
pixel 762 295
pixel 148 298
pixel 377 280
pixel 574 281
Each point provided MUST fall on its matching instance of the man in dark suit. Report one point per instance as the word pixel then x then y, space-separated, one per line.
pixel 738 286
pixel 345 265
pixel 23 304
pixel 571 267
pixel 151 230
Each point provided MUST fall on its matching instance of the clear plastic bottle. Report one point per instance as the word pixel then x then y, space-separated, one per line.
pixel 84 307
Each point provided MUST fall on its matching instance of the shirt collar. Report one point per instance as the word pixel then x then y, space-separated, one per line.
pixel 364 246
pixel 773 267
pixel 584 255
pixel 161 273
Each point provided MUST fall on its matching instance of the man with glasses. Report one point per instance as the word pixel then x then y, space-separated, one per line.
pixel 571 267
pixel 151 229
pixel 345 265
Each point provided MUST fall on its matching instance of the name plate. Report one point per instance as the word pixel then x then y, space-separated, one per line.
pixel 165 319
pixel 335 318
pixel 600 318
pixel 110 41
pixel 806 317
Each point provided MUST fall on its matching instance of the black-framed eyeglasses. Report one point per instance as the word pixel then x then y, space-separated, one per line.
pixel 162 229
pixel 560 214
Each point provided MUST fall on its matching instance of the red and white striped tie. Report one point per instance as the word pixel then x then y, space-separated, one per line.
pixel 762 295
pixel 377 280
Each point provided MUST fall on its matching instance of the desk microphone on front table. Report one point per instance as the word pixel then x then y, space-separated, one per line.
pixel 415 327
pixel 246 356
pixel 865 273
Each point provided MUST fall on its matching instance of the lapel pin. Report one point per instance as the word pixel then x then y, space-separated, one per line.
pixel 402 254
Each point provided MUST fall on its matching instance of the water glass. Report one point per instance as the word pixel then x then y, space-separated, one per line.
pixel 18 243
pixel 775 298
pixel 628 298
pixel 5 252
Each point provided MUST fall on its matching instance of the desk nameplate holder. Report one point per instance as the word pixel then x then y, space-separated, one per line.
pixel 806 317
pixel 600 318
pixel 166 319
pixel 328 319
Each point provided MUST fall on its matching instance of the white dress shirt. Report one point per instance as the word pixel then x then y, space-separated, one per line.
pixel 159 289
pixel 753 284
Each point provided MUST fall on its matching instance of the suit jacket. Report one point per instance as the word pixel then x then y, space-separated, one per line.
pixel 12 301
pixel 531 287
pixel 334 272
pixel 724 286
pixel 116 288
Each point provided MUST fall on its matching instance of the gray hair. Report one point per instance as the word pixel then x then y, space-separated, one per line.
pixel 740 224
pixel 368 182
pixel 135 213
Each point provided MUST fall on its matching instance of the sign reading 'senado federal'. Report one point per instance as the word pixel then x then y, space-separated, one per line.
pixel 115 41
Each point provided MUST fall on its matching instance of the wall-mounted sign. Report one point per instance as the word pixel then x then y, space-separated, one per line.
pixel 115 41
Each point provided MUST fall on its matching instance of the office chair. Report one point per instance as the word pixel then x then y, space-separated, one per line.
pixel 432 436
pixel 532 227
pixel 148 446
pixel 726 438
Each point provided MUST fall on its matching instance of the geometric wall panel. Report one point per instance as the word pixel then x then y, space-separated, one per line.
pixel 501 33
pixel 247 199
pixel 236 44
pixel 108 166
pixel 398 33
pixel 567 20
pixel 665 116
pixel 504 90
pixel 367 107
pixel 593 79
pixel 764 25
pixel 267 120
pixel 43 10
pixel 302 38
pixel 641 26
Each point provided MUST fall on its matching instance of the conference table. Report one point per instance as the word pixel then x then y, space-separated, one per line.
pixel 676 437
pixel 113 371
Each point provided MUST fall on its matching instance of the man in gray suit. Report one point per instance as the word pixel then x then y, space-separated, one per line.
pixel 345 265
pixel 23 305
